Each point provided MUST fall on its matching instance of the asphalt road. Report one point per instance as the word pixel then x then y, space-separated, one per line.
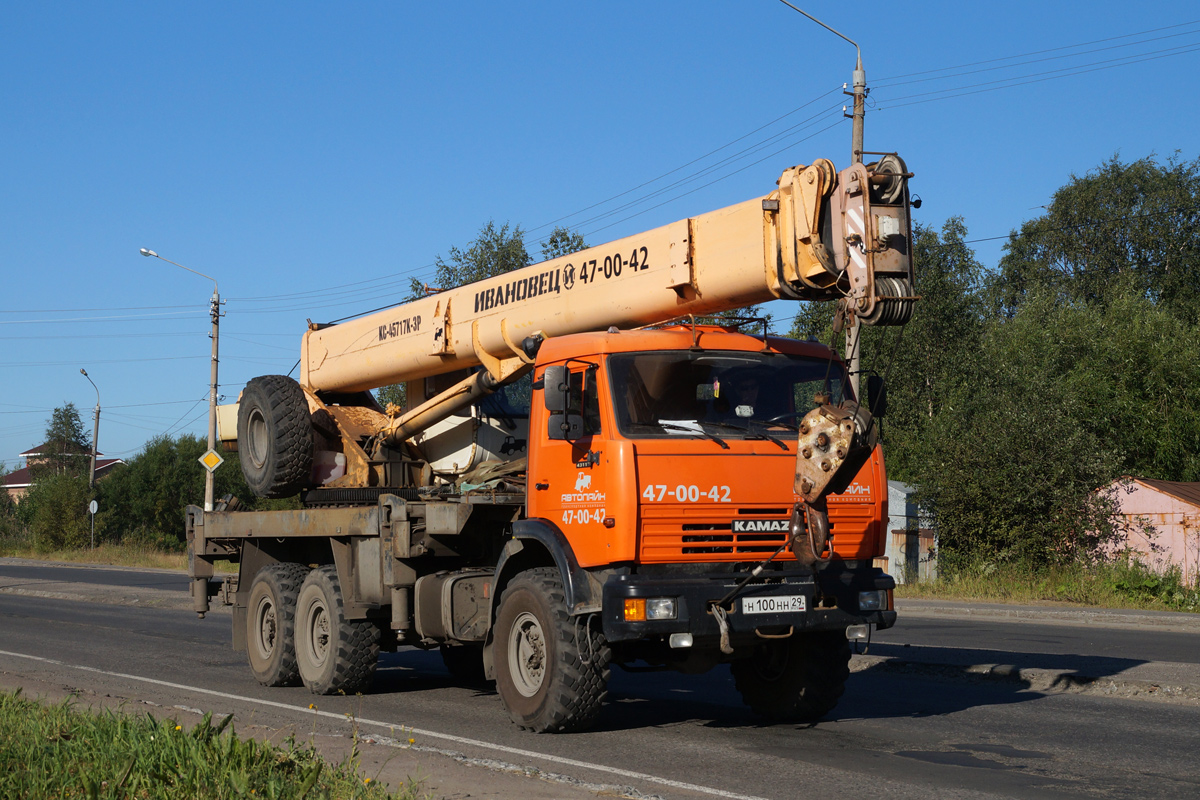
pixel 921 638
pixel 897 733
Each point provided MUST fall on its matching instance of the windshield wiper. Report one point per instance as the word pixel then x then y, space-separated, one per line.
pixel 696 429
pixel 750 434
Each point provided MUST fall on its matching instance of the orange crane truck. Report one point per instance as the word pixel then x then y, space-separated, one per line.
pixel 583 474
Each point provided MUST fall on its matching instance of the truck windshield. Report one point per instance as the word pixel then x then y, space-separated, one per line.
pixel 728 393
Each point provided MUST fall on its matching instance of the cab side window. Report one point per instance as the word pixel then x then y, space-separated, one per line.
pixel 584 399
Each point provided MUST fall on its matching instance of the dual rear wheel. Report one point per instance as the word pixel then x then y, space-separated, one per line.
pixel 552 669
pixel 297 631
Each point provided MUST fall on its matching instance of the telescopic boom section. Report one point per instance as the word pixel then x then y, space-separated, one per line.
pixel 821 235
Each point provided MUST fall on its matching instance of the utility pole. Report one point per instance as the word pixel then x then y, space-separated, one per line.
pixel 859 90
pixel 214 308
pixel 95 431
pixel 854 327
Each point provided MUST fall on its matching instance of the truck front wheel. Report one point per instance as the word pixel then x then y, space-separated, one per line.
pixel 332 653
pixel 551 670
pixel 271 623
pixel 275 435
pixel 797 679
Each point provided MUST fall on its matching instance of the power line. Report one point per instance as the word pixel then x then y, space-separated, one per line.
pixel 1034 78
pixel 1048 50
pixel 125 317
pixel 184 414
pixel 381 282
pixel 714 167
pixel 1035 61
pixel 141 335
pixel 75 362
pixel 688 164
pixel 716 180
pixel 396 280
pixel 74 310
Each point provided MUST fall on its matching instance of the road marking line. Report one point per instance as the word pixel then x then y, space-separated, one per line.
pixel 624 773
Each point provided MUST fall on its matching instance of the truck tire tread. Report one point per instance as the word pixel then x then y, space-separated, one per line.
pixel 287 468
pixel 576 680
pixel 280 669
pixel 354 650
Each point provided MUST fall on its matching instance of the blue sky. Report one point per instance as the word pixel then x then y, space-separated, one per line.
pixel 312 157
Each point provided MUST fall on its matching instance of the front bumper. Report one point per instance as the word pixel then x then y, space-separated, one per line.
pixel 831 603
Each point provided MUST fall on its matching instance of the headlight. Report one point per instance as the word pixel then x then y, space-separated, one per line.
pixel 660 608
pixel 872 601
pixel 638 609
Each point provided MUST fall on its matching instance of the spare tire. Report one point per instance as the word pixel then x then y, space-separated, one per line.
pixel 275 439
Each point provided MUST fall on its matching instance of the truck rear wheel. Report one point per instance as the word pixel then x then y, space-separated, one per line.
pixel 274 433
pixel 332 653
pixel 796 679
pixel 271 623
pixel 548 679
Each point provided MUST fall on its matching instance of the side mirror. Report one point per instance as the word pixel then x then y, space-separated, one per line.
pixel 876 396
pixel 556 384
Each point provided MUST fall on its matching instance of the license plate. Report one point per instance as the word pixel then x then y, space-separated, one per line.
pixel 778 604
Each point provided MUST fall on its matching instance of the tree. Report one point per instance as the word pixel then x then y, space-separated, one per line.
pixel 56 511
pixel 562 242
pixel 9 526
pixel 55 507
pixel 1004 463
pixel 1131 225
pixel 923 361
pixel 395 394
pixel 741 317
pixel 1060 399
pixel 494 251
pixel 147 497
pixel 66 445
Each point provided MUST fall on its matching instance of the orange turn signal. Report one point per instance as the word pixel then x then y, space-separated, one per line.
pixel 635 609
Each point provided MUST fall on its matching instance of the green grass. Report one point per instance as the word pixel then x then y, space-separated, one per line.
pixel 1120 584
pixel 59 751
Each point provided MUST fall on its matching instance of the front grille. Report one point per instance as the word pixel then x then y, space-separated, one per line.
pixel 732 543
pixel 680 534
pixel 675 534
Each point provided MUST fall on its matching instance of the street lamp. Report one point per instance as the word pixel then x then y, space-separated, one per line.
pixel 95 430
pixel 859 91
pixel 215 313
pixel 95 443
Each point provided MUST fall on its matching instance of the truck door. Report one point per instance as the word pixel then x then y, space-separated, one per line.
pixel 569 478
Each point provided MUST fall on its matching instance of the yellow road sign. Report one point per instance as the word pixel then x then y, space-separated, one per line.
pixel 211 460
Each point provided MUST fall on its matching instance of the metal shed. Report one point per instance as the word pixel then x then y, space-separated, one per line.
pixel 1161 523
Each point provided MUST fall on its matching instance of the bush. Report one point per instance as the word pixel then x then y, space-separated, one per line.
pixel 1060 399
pixel 56 512
pixel 146 498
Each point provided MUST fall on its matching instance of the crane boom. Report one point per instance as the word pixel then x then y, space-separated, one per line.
pixel 629 503
pixel 819 236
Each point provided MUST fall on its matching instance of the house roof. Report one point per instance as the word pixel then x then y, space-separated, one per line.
pixel 21 478
pixel 1187 491
pixel 39 451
